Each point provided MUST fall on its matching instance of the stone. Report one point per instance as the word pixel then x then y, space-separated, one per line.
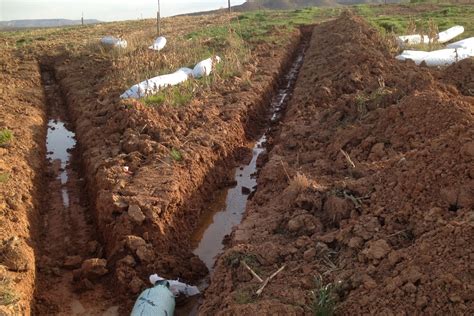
pixel 93 268
pixel 136 285
pixel 309 254
pixel 128 261
pixel 377 249
pixel 411 274
pixel 134 242
pixel 295 224
pixel 135 212
pixel 356 242
pixel 409 288
pixel 14 255
pixel 145 254
pixel 72 262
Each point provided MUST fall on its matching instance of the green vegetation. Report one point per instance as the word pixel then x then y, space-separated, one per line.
pixel 7 295
pixel 323 298
pixel 4 176
pixel 246 295
pixel 6 136
pixel 175 154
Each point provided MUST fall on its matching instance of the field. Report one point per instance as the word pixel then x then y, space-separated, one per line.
pixel 364 185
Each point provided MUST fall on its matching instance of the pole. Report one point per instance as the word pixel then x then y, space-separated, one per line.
pixel 158 20
pixel 82 19
pixel 230 10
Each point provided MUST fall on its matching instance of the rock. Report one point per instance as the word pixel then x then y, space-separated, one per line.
pixel 356 242
pixel 14 255
pixel 93 268
pixel 393 284
pixel 135 212
pixel 309 254
pixel 409 288
pixel 146 253
pixel 467 150
pixel 134 242
pixel 136 285
pixel 411 274
pixel 295 224
pixel 321 248
pixel 377 151
pixel 368 282
pixel 377 249
pixel 128 261
pixel 72 262
pixel 421 301
pixel 394 257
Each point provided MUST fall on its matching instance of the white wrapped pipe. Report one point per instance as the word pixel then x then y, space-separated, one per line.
pixel 113 42
pixel 153 85
pixel 159 44
pixel 442 37
pixel 442 57
pixel 465 43
pixel 205 67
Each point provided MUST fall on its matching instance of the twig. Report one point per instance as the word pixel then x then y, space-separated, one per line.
pixel 284 169
pixel 348 158
pixel 260 290
pixel 252 272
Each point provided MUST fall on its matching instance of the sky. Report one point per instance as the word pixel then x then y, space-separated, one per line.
pixel 104 10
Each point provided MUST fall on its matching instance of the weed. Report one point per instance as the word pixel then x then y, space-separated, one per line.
pixel 246 295
pixel 156 99
pixel 175 154
pixel 7 295
pixel 233 259
pixel 323 298
pixel 6 136
pixel 4 176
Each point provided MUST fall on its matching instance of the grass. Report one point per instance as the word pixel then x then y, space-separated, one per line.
pixel 6 136
pixel 4 176
pixel 323 298
pixel 234 258
pixel 175 154
pixel 7 295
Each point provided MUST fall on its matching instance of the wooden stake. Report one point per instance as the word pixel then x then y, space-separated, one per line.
pixel 260 290
pixel 252 272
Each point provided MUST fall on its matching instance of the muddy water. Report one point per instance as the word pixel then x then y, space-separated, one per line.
pixel 227 209
pixel 59 142
pixel 67 226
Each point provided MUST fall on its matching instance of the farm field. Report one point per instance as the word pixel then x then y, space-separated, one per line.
pixel 361 187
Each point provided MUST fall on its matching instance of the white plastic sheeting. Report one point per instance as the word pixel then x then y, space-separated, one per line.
pixel 205 67
pixel 113 42
pixel 176 287
pixel 442 37
pixel 465 43
pixel 159 44
pixel 442 57
pixel 153 85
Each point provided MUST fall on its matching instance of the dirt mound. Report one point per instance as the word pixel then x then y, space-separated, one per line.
pixel 369 184
pixel 461 75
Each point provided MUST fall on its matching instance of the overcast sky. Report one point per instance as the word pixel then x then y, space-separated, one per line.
pixel 104 10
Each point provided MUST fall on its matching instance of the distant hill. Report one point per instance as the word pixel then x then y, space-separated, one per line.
pixel 293 4
pixel 14 24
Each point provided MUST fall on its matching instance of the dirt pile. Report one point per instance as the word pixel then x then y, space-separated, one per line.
pixel 21 161
pixel 369 184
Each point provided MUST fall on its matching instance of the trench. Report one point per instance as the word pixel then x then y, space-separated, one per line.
pixel 227 208
pixel 67 231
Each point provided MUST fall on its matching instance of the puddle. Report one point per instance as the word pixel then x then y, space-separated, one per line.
pixel 59 141
pixel 228 207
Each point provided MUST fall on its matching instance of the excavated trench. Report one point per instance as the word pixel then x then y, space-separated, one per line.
pixel 70 233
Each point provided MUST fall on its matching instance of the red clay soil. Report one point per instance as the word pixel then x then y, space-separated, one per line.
pixel 391 225
pixel 146 205
pixel 21 161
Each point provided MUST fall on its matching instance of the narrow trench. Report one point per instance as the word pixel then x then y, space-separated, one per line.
pixel 227 208
pixel 67 232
